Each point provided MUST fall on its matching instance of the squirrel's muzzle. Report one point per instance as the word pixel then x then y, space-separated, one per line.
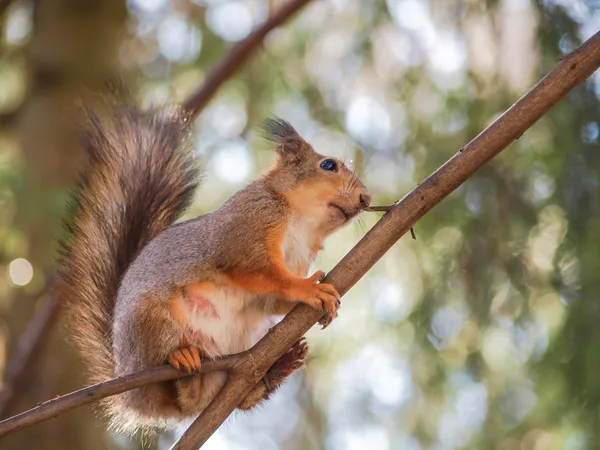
pixel 364 200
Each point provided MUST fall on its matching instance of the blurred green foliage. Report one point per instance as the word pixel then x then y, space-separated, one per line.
pixel 483 333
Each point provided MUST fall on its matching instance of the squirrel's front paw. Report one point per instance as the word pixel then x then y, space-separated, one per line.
pixel 321 296
pixel 186 358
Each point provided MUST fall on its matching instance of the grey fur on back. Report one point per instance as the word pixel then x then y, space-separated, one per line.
pixel 189 251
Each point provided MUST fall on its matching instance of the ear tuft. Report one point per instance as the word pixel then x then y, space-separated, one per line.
pixel 278 130
pixel 290 147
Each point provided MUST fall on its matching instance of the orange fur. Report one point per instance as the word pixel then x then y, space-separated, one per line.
pixel 177 310
pixel 280 281
pixel 274 279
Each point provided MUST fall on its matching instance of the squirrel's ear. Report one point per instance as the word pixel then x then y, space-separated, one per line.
pixel 289 145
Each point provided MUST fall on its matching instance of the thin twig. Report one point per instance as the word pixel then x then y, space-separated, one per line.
pixel 238 55
pixel 570 72
pixel 59 405
pixel 378 208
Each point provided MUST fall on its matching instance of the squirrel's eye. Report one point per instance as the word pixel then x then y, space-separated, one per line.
pixel 330 165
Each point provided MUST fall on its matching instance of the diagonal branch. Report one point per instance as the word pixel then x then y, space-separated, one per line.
pixel 39 327
pixel 570 72
pixel 64 403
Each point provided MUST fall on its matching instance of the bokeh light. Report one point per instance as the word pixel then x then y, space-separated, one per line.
pixel 20 272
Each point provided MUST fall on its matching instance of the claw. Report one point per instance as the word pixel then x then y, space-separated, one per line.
pixel 326 320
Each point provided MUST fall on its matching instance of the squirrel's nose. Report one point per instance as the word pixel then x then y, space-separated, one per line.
pixel 365 200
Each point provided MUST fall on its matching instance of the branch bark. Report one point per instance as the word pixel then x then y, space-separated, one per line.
pixel 32 340
pixel 64 403
pixel 570 72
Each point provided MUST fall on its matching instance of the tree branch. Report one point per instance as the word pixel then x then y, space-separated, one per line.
pixel 238 55
pixel 37 330
pixel 64 403
pixel 570 72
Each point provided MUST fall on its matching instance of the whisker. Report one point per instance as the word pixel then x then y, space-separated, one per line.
pixel 355 180
pixel 361 224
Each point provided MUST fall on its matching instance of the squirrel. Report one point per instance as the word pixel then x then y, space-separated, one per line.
pixel 144 291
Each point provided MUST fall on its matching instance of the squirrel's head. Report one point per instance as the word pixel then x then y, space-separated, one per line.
pixel 318 186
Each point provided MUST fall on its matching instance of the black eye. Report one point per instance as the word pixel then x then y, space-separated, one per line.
pixel 330 165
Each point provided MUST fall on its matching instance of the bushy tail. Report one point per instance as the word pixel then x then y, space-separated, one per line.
pixel 139 178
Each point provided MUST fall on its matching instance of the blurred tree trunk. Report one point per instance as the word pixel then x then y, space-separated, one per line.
pixel 73 51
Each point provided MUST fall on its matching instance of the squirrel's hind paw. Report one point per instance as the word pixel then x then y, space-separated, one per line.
pixel 289 363
pixel 186 358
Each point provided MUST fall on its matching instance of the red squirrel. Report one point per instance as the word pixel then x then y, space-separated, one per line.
pixel 145 291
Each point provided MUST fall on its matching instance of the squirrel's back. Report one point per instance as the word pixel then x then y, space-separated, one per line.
pixel 139 177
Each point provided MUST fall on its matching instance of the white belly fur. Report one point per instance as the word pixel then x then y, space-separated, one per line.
pixel 241 318
pixel 296 245
pixel 233 325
